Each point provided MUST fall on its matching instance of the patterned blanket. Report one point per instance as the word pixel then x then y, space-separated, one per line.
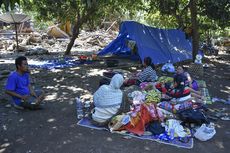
pixel 85 122
pixel 204 90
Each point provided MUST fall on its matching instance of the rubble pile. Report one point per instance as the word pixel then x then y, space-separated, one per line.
pixel 39 43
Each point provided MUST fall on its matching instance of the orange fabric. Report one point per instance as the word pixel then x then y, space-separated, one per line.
pixel 137 124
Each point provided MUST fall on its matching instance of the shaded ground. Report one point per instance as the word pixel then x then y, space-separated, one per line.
pixel 54 129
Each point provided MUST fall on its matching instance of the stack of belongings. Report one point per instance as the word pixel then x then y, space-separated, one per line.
pixel 167 119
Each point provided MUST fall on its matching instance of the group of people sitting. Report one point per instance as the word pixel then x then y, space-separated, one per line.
pixel 108 100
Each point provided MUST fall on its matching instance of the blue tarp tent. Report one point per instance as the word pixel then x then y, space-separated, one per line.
pixel 161 45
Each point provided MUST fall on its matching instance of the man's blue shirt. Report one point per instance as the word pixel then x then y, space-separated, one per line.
pixel 19 84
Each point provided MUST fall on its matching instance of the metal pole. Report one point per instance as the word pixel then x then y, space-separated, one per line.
pixel 16 35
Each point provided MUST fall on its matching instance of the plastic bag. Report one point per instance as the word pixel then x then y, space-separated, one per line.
pixel 198 59
pixel 205 132
pixel 168 67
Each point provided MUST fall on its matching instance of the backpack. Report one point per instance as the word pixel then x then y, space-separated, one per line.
pixel 193 116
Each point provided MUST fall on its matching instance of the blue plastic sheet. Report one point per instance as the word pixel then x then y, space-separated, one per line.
pixel 161 45
pixel 58 63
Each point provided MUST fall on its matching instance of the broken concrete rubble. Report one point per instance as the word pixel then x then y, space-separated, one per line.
pixel 86 42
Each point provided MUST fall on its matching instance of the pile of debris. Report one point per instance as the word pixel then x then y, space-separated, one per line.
pixel 37 43
pixel 94 41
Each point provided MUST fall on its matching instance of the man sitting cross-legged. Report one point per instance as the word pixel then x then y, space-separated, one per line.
pixel 18 86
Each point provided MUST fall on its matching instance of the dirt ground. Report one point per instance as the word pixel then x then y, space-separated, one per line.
pixel 54 129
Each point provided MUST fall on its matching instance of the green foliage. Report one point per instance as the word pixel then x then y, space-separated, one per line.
pixel 47 10
pixel 110 10
pixel 8 4
pixel 213 15
pixel 97 10
pixel 219 11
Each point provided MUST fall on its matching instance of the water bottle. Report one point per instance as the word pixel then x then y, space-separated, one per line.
pixel 171 134
pixel 87 108
pixel 79 108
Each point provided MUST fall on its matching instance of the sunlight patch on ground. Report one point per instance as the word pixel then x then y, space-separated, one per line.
pixel 50 87
pixel 220 144
pixel 35 71
pixel 86 91
pixel 4 127
pixel 217 125
pixel 133 68
pixel 51 120
pixel 146 148
pixel 222 62
pixel 95 72
pixel 59 80
pixel 109 139
pixel 63 98
pixel 35 62
pixel 65 93
pixel 56 70
pixel 8 61
pixel 76 74
pixel 226 91
pixel 21 141
pixel 75 68
pixel 4 145
pixel 51 96
pixel 2 150
pixel 73 88
pixel 66 142
pixel 54 127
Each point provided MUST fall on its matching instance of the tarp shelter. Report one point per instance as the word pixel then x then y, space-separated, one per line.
pixel 161 45
pixel 15 19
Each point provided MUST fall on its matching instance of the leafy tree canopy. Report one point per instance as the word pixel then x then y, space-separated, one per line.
pixel 9 5
pixel 211 14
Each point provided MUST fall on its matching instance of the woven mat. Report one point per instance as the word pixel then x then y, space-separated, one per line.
pixel 204 90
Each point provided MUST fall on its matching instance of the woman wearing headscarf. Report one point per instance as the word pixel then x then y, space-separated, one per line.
pixel 107 100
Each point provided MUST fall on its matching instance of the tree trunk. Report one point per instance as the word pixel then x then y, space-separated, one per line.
pixel 209 42
pixel 71 43
pixel 76 31
pixel 195 34
pixel 80 19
